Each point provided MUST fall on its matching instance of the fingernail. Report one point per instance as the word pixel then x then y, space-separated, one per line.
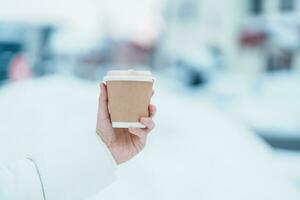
pixel 152 114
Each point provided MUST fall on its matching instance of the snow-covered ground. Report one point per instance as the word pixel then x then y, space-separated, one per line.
pixel 195 152
pixel 267 103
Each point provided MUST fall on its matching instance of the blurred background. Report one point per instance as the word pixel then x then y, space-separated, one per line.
pixel 227 88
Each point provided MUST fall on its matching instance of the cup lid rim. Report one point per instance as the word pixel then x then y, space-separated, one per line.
pixel 129 72
pixel 129 78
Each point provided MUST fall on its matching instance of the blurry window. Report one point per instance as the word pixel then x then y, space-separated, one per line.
pixel 10 47
pixel 168 12
pixel 256 7
pixel 287 5
pixel 188 11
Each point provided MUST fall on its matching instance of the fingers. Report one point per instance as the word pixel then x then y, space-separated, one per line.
pixel 103 94
pixel 148 122
pixel 103 102
pixel 142 132
pixel 152 110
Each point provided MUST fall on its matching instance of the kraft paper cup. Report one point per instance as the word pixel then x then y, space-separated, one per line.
pixel 129 94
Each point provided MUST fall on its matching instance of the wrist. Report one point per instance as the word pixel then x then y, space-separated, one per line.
pixel 104 139
pixel 114 152
pixel 109 145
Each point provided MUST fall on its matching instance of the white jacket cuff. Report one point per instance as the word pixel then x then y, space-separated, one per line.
pixel 76 168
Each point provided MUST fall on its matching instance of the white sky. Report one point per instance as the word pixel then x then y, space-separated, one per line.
pixel 88 15
pixel 83 21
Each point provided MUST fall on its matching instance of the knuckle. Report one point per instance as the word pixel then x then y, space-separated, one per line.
pixel 151 126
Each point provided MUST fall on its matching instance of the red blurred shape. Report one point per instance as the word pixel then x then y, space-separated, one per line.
pixel 253 38
pixel 19 68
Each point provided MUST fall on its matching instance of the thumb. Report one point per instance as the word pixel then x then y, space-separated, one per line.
pixel 103 103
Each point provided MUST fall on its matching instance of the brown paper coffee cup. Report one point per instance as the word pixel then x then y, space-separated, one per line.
pixel 129 94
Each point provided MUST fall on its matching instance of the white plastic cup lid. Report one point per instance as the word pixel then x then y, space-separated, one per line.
pixel 129 75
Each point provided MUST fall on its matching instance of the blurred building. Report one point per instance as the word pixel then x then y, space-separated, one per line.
pixel 251 36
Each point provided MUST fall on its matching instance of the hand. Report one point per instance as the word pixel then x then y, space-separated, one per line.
pixel 123 143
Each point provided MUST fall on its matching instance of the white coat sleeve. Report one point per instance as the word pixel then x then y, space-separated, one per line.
pixel 20 180
pixel 71 169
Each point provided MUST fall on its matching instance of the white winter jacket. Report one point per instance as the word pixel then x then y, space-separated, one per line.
pixel 72 170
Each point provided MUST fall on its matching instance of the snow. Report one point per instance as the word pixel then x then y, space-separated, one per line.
pixel 195 152
pixel 275 109
pixel 289 160
pixel 268 103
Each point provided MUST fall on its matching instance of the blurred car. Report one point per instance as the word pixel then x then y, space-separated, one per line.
pixel 194 68
pixel 7 52
pixel 193 65
pixel 13 64
pixel 23 48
